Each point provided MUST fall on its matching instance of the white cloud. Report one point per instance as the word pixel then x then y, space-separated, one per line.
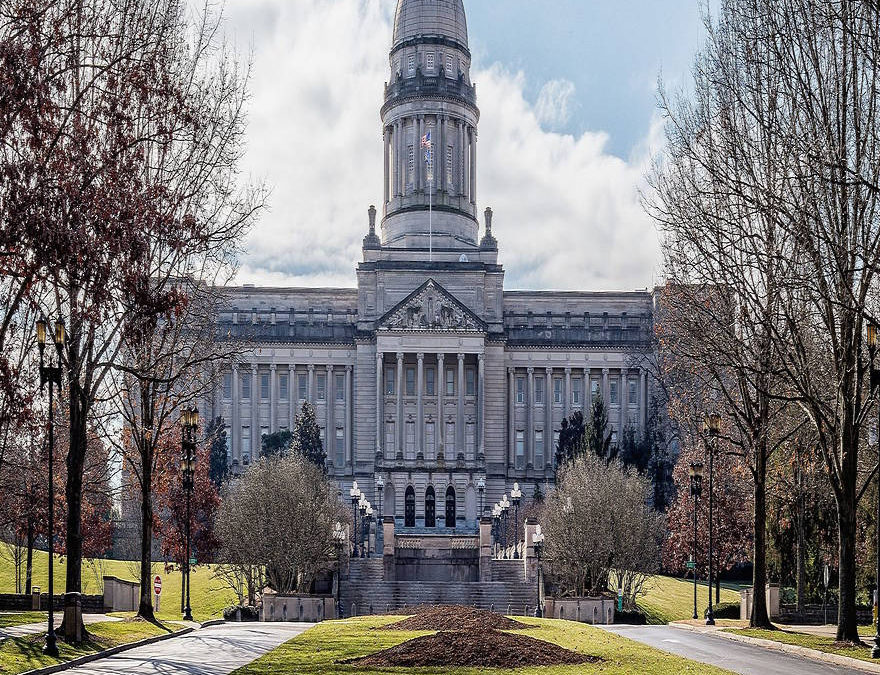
pixel 567 212
pixel 553 107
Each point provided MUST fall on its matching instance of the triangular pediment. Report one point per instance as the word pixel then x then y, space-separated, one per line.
pixel 432 308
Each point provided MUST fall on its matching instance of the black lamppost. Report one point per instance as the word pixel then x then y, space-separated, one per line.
pixel 713 426
pixel 355 495
pixel 189 420
pixel 380 520
pixel 362 507
pixel 338 543
pixel 538 542
pixel 875 387
pixel 696 474
pixel 516 495
pixel 481 488
pixel 51 375
pixel 496 525
pixel 380 488
pixel 505 507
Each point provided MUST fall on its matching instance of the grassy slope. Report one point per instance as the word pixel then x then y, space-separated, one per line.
pixel 316 651
pixel 669 599
pixel 8 619
pixel 209 596
pixel 823 644
pixel 20 654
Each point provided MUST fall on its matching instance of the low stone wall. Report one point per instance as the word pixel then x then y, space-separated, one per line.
pixel 13 602
pixel 309 608
pixel 121 595
pixel 585 610
pixel 745 602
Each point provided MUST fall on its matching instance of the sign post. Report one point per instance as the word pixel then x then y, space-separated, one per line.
pixel 620 599
pixel 826 576
pixel 157 587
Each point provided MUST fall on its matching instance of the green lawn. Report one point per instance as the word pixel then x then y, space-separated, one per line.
pixel 823 644
pixel 316 651
pixel 8 619
pixel 20 654
pixel 209 595
pixel 670 599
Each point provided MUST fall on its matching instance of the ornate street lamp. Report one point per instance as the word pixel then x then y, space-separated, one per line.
pixel 380 488
pixel 362 507
pixel 338 543
pixel 189 420
pixel 538 543
pixel 370 519
pixel 481 488
pixel 355 495
pixel 380 529
pixel 875 387
pixel 516 495
pixel 51 375
pixel 696 474
pixel 505 507
pixel 496 524
pixel 713 427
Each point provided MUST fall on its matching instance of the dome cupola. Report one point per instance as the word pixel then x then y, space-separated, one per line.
pixel 438 19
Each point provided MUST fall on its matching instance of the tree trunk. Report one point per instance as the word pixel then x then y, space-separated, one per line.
pixel 29 569
pixel 145 608
pixel 760 618
pixel 801 552
pixel 847 626
pixel 79 407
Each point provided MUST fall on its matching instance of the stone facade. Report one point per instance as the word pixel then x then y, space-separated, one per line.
pixel 429 373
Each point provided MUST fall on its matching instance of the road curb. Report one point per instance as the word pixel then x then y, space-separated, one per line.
pixel 796 650
pixel 212 622
pixel 88 658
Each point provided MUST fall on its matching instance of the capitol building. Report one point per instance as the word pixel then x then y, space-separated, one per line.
pixel 430 373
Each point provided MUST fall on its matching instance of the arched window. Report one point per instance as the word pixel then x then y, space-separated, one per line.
pixel 409 516
pixel 430 510
pixel 450 506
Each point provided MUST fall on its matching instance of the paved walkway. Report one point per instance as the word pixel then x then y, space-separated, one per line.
pixel 34 628
pixel 738 657
pixel 217 650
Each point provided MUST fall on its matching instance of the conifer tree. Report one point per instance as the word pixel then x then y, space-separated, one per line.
pixel 307 437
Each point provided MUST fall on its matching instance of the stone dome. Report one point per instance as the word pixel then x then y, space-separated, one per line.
pixel 440 18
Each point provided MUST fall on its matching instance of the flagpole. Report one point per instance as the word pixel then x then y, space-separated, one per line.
pixel 430 216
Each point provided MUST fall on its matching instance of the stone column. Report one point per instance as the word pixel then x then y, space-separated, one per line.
pixel 473 165
pixel 273 397
pixel 380 397
pixel 235 432
pixel 417 151
pixel 530 414
pixel 420 408
pixel 460 169
pixel 440 157
pixel 566 394
pixel 481 407
pixel 605 395
pixel 624 401
pixel 548 415
pixel 329 404
pixel 387 147
pixel 349 411
pixel 440 430
pixel 292 395
pixel 459 424
pixel 511 417
pixel 312 383
pixel 401 160
pixel 643 401
pixel 400 429
pixel 255 412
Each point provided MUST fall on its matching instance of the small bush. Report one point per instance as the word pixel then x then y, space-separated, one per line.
pixel 634 618
pixel 241 613
pixel 726 610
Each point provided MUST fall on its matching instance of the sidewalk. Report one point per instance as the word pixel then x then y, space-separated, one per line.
pixel 796 650
pixel 35 628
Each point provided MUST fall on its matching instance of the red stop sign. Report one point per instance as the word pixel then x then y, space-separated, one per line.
pixel 157 585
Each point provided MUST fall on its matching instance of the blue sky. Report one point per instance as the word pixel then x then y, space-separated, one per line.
pixel 569 126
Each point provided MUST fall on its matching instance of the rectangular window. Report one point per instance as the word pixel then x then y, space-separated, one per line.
pixel 520 450
pixel 410 381
pixel 576 391
pixel 322 387
pixel 429 62
pixel 397 67
pixel 612 392
pixel 340 446
pixel 450 67
pixel 470 382
pixel 429 440
pixel 264 386
pixel 283 386
pixel 429 382
pixel 633 392
pixel 227 386
pixel 450 162
pixel 340 387
pixel 246 445
pixel 450 440
pixel 520 390
pixel 246 386
pixel 389 381
pixel 323 436
pixel 450 382
pixel 410 440
pixel 411 163
pixel 539 390
pixel 411 64
pixel 390 442
pixel 594 389
pixel 303 386
pixel 557 390
pixel 470 439
pixel 539 448
pixel 555 440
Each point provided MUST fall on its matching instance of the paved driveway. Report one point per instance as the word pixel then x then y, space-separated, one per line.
pixel 736 656
pixel 216 650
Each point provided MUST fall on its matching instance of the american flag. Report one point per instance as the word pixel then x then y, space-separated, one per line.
pixel 426 140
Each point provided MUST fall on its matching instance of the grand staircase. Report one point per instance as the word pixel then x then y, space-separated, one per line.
pixel 366 592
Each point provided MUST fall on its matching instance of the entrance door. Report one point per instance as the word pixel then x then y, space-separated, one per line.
pixel 430 509
pixel 409 513
pixel 450 506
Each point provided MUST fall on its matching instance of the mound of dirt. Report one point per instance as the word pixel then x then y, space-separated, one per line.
pixel 474 649
pixel 453 617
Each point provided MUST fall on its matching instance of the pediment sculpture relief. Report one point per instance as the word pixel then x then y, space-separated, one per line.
pixel 431 310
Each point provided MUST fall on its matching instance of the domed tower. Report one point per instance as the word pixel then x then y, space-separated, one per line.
pixel 430 92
